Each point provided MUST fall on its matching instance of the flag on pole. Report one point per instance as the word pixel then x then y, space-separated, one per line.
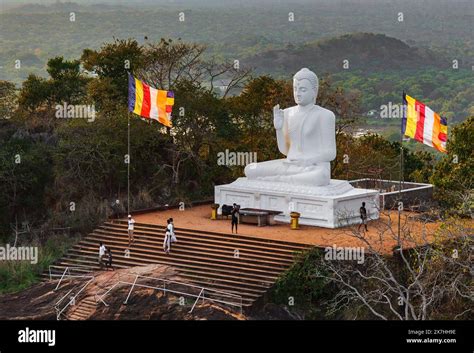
pixel 424 125
pixel 149 102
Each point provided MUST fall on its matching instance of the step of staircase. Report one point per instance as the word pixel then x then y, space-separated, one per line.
pixel 237 264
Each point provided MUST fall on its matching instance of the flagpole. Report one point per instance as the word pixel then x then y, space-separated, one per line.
pixel 400 181
pixel 128 167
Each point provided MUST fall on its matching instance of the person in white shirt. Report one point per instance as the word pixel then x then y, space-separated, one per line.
pixel 167 241
pixel 101 253
pixel 131 222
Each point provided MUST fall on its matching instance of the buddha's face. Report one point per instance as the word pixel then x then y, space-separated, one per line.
pixel 303 92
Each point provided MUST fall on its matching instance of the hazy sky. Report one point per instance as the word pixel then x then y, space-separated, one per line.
pixel 223 2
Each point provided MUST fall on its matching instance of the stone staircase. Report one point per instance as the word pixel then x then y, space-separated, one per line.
pixel 83 310
pixel 238 264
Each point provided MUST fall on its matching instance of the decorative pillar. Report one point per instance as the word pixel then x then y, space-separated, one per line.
pixel 214 207
pixel 295 223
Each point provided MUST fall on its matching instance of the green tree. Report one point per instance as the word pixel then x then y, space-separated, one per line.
pixel 111 63
pixel 453 176
pixel 8 99
pixel 66 84
pixel 25 177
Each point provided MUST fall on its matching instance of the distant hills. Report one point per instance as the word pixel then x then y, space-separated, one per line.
pixel 35 8
pixel 366 52
pixel 259 33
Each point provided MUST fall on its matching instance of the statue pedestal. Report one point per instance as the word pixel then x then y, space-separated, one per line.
pixel 332 206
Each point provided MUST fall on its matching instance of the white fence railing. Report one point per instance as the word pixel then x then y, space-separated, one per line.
pixel 165 285
pixel 68 273
pixel 209 294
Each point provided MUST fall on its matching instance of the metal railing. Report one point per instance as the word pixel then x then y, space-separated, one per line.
pixel 67 273
pixel 98 297
pixel 60 310
pixel 51 274
pixel 233 299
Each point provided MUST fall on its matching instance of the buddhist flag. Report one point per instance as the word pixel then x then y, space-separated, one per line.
pixel 149 102
pixel 423 124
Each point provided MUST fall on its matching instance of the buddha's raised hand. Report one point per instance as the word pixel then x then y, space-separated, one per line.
pixel 278 117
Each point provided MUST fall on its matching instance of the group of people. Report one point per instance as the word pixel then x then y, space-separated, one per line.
pixel 102 253
pixel 170 236
pixel 105 254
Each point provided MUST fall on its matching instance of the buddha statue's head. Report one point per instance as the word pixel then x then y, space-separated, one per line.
pixel 305 87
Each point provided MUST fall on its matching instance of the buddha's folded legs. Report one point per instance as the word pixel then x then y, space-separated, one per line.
pixel 268 168
pixel 284 171
pixel 318 176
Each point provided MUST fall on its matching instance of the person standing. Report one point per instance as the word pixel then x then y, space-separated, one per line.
pixel 115 206
pixel 167 241
pixel 363 217
pixel 131 223
pixel 235 217
pixel 101 254
pixel 173 235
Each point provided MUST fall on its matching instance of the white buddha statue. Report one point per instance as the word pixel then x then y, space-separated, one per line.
pixel 306 135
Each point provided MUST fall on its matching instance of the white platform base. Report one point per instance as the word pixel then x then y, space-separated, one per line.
pixel 332 206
